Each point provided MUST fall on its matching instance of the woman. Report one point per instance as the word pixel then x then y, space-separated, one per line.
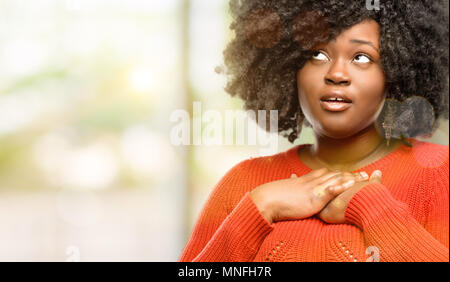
pixel 367 80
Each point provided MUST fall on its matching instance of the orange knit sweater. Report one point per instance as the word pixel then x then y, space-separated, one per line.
pixel 406 218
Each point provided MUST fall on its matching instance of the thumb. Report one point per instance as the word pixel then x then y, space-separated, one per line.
pixel 375 176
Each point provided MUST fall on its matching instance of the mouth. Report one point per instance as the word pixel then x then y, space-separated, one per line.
pixel 335 102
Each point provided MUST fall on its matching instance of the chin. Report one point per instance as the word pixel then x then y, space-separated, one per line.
pixel 338 135
pixel 337 132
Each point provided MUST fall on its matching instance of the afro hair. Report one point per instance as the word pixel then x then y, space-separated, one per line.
pixel 273 40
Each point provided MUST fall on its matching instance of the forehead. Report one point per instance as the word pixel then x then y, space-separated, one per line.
pixel 367 30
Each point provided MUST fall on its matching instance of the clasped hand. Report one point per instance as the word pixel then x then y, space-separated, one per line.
pixel 321 192
pixel 334 211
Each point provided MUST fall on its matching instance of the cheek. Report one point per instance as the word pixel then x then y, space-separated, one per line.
pixel 307 86
pixel 371 94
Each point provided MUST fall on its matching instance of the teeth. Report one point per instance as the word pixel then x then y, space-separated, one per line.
pixel 336 99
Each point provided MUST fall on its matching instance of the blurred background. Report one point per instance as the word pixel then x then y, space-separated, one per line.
pixel 88 171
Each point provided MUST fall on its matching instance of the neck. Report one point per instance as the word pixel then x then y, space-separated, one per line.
pixel 347 152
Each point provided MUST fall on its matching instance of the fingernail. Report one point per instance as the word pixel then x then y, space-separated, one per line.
pixel 377 173
pixel 364 175
pixel 293 175
pixel 348 183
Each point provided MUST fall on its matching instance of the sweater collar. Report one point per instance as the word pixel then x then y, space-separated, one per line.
pixel 296 163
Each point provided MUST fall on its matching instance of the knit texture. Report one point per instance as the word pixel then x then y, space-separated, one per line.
pixel 405 218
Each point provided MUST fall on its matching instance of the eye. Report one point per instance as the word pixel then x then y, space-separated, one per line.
pixel 364 58
pixel 318 55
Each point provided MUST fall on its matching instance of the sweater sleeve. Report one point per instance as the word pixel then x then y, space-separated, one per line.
pixel 222 236
pixel 388 225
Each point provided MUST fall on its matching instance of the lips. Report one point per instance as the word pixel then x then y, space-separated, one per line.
pixel 336 96
pixel 335 102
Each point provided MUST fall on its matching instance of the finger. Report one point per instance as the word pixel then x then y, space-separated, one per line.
pixel 315 174
pixel 335 190
pixel 294 175
pixel 340 178
pixel 358 176
pixel 330 179
pixel 364 175
pixel 361 176
pixel 328 176
pixel 322 183
pixel 337 179
pixel 376 176
pixel 332 188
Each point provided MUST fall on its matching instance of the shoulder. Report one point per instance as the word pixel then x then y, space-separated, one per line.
pixel 424 146
pixel 433 160
pixel 430 155
pixel 249 174
pixel 254 168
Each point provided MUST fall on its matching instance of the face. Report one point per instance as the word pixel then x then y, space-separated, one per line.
pixel 349 68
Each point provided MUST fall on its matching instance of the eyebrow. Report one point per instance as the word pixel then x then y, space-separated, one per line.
pixel 359 41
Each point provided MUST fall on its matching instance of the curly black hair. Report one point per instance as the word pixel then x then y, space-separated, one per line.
pixel 273 40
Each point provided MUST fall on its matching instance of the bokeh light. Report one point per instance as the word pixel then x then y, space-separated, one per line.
pixel 87 168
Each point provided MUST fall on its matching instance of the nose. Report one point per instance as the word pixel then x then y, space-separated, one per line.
pixel 337 74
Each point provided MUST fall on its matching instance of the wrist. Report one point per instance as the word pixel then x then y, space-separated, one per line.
pixel 262 202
